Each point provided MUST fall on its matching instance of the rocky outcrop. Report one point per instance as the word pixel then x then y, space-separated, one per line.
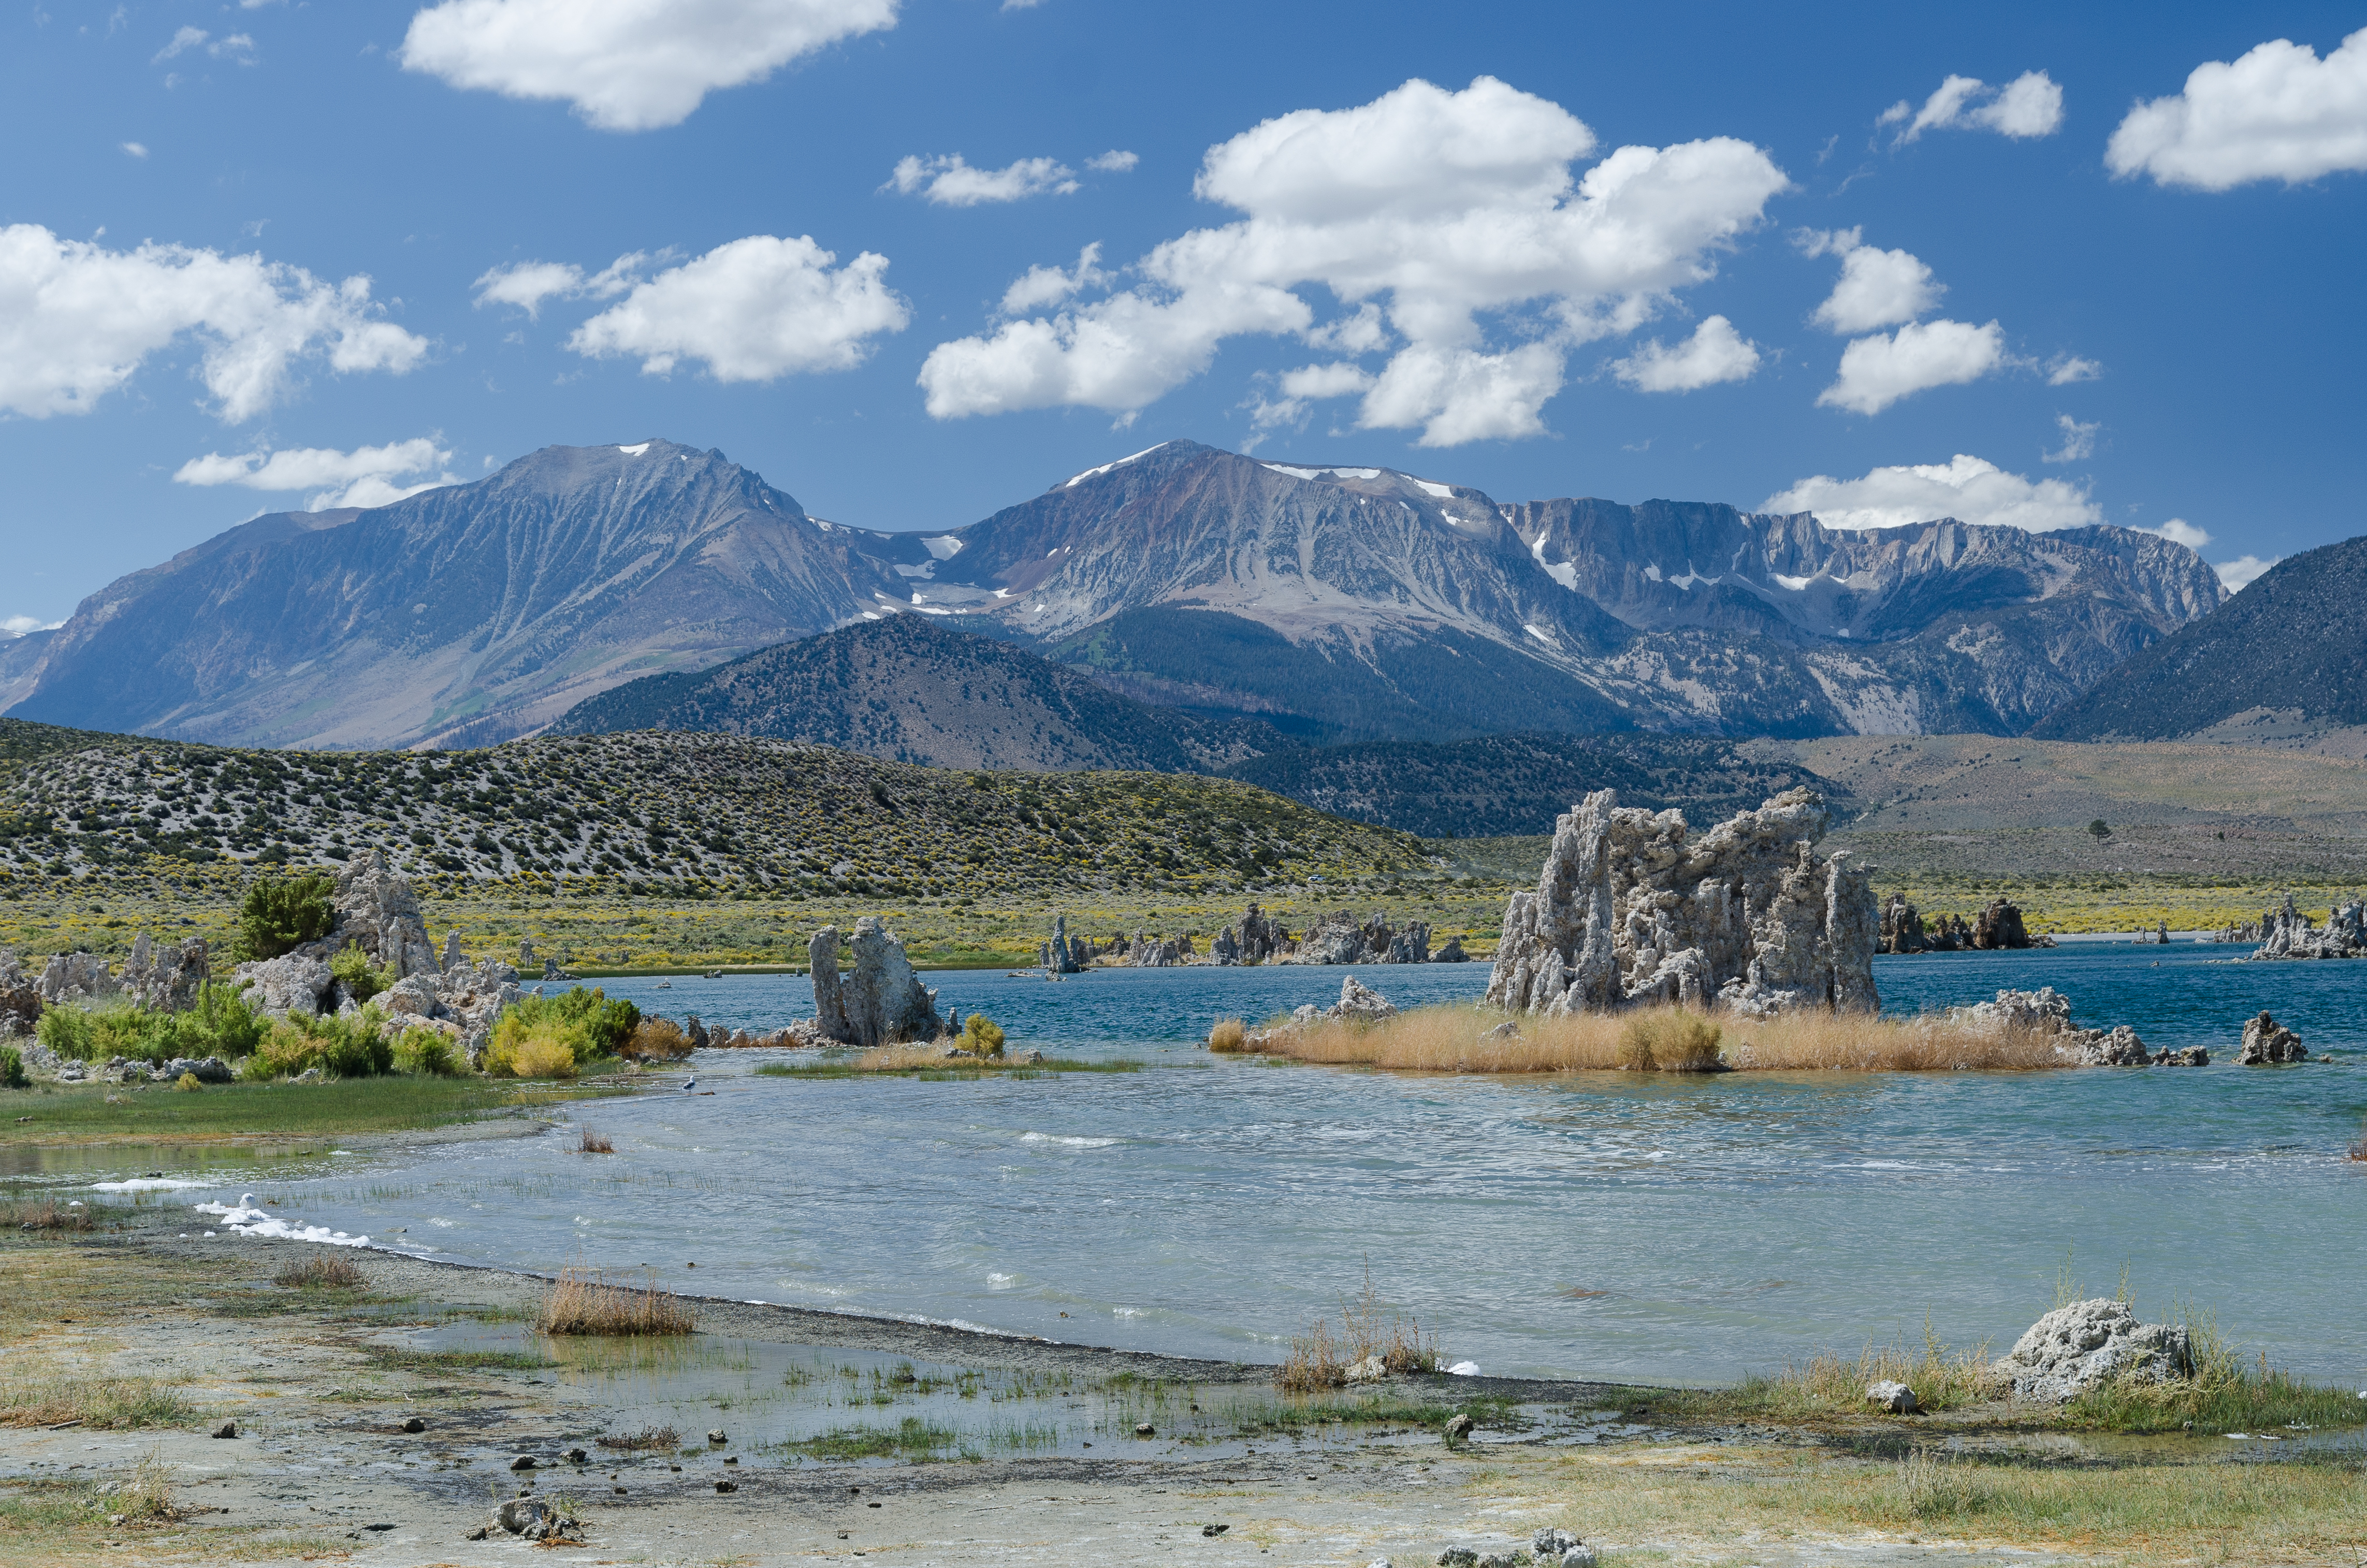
pixel 2082 1347
pixel 1360 1004
pixel 1902 929
pixel 2267 1042
pixel 881 1001
pixel 1999 927
pixel 2286 933
pixel 1451 953
pixel 1629 910
pixel 1060 955
pixel 164 979
pixel 20 1000
pixel 377 911
pixel 75 978
pixel 2047 1012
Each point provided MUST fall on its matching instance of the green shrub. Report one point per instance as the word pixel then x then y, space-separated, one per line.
pixel 586 1023
pixel 981 1036
pixel 11 1069
pixel 222 1022
pixel 280 913
pixel 429 1054
pixel 354 972
pixel 341 1046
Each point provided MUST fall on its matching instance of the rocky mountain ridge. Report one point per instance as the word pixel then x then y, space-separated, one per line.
pixel 1340 603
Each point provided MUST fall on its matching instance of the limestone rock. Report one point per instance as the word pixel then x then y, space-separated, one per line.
pixel 2087 1344
pixel 882 1001
pixel 1451 953
pixel 1371 1369
pixel 20 1001
pixel 292 983
pixel 2267 1040
pixel 205 1070
pixel 165 980
pixel 1895 1397
pixel 1627 911
pixel 74 978
pixel 1360 1004
pixel 1060 957
pixel 2287 933
pixel 2118 1047
pixel 1997 926
pixel 2192 1056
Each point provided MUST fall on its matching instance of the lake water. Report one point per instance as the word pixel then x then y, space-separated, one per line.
pixel 1601 1225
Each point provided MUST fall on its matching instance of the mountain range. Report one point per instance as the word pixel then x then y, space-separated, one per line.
pixel 1331 604
pixel 2284 662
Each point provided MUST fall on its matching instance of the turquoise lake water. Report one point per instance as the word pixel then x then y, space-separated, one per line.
pixel 1606 1225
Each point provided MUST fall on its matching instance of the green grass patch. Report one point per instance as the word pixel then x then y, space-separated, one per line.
pixel 911 1440
pixel 38 1395
pixel 146 1113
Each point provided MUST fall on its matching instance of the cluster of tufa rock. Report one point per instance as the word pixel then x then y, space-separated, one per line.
pixel 880 1001
pixel 1629 912
pixel 1997 927
pixel 377 911
pixel 2285 932
pixel 1336 938
pixel 2047 1013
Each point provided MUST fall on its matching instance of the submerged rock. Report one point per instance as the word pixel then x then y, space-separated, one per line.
pixel 2089 1344
pixel 1629 913
pixel 2267 1040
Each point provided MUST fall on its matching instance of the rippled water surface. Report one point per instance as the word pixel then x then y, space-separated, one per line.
pixel 1595 1225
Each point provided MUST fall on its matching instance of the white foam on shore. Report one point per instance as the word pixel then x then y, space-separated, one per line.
pixel 240 1220
pixel 148 1183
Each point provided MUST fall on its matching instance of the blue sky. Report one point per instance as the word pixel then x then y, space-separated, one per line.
pixel 260 255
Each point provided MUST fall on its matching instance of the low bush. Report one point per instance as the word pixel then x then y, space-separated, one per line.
pixel 11 1069
pixel 220 1023
pixel 550 1037
pixel 592 1140
pixel 427 1053
pixel 656 1040
pixel 1670 1042
pixel 279 912
pixel 358 975
pixel 981 1037
pixel 341 1046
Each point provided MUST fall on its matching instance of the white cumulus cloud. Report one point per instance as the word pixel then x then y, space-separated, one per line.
pixel 950 182
pixel 1448 205
pixel 136 149
pixel 1965 488
pixel 2078 440
pixel 2279 112
pixel 1042 286
pixel 753 310
pixel 2030 105
pixel 2066 369
pixel 1877 371
pixel 627 64
pixel 1877 288
pixel 366 476
pixel 76 321
pixel 527 284
pixel 18 625
pixel 2178 531
pixel 1715 353
pixel 2241 572
pixel 238 47
pixel 1116 161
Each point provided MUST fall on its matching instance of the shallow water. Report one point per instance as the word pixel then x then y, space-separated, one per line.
pixel 1599 1225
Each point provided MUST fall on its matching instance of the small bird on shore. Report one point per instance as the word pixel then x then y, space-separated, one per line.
pixel 690 1085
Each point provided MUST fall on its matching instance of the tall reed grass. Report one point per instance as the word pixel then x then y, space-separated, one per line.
pixel 1370 1331
pixel 1450 1039
pixel 579 1301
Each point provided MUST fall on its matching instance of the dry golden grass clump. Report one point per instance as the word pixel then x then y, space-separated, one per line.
pixel 48 1214
pixel 656 1040
pixel 46 1396
pixel 1370 1331
pixel 583 1302
pixel 1229 1035
pixel 591 1140
pixel 322 1273
pixel 1450 1039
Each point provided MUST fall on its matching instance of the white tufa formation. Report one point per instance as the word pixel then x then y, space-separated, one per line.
pixel 1628 913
